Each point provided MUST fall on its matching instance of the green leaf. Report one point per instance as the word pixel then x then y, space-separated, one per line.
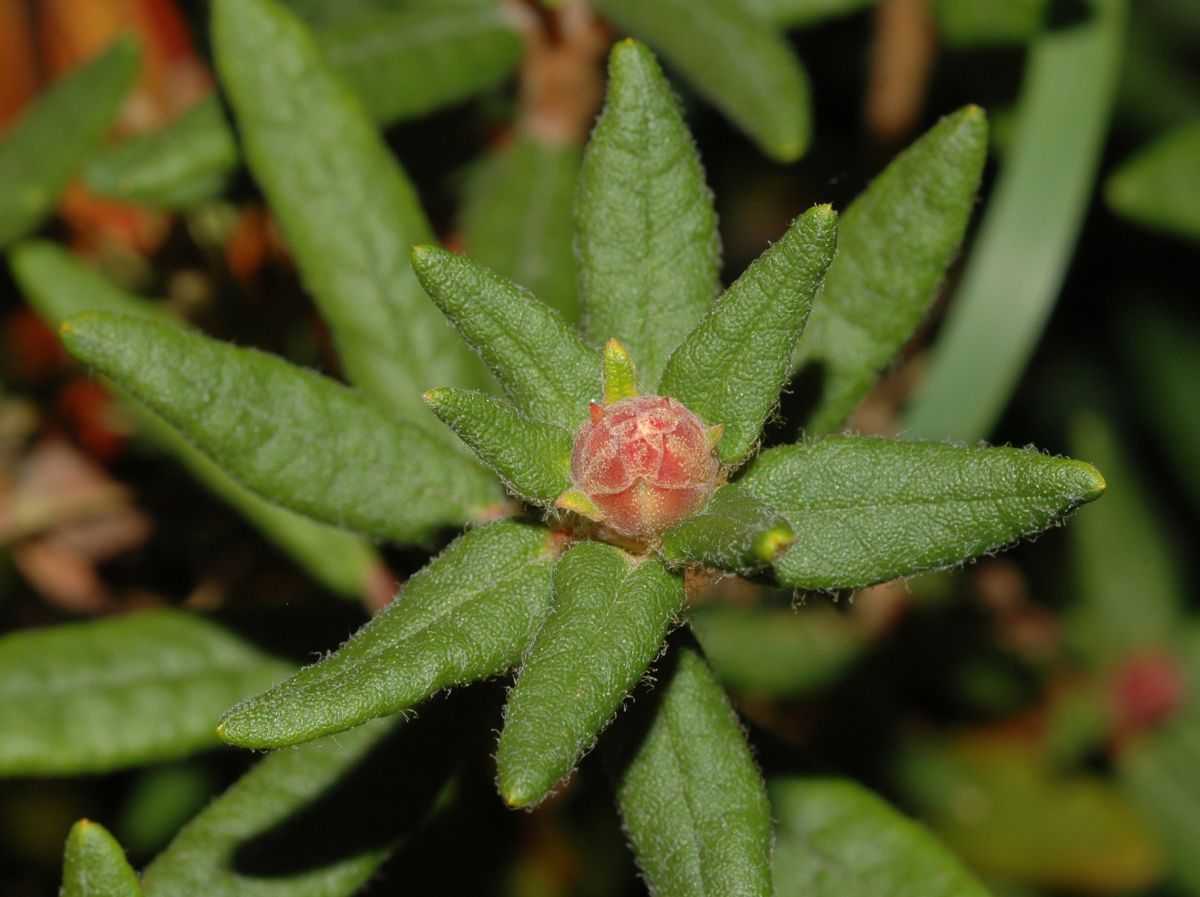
pixel 777 651
pixel 736 60
pixel 41 151
pixel 410 61
pixel 1159 186
pixel 1159 351
pixel 618 373
pixel 186 163
pixel 91 697
pixel 533 460
pixel 800 13
pixel 837 838
pixel 894 245
pixel 984 23
pixel 548 371
pixel 1020 256
pixel 291 435
pixel 870 510
pixel 999 804
pixel 346 208
pixel 611 614
pixel 691 799
pixel 317 820
pixel 467 616
pixel 517 219
pixel 94 864
pixel 646 231
pixel 735 532
pixel 730 369
pixel 1130 584
pixel 59 286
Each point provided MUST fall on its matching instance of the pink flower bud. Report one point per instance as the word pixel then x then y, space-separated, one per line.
pixel 646 462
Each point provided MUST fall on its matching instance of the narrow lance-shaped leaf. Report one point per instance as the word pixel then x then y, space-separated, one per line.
pixel 409 61
pixel 94 864
pixel 869 510
pixel 58 286
pixel 517 219
pixel 646 231
pixel 548 371
pixel 185 163
pixel 91 697
pixel 467 616
pixel 347 209
pixel 1020 256
pixel 837 838
pixel 895 242
pixel 690 796
pixel 1159 186
pixel 533 459
pixel 735 59
pixel 734 532
pixel 611 614
pixel 317 820
pixel 730 369
pixel 42 150
pixel 293 436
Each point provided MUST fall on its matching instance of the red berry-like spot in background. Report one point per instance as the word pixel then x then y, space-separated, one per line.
pixel 646 462
pixel 1146 689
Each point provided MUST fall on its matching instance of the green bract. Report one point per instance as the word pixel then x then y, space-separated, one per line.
pixel 538 583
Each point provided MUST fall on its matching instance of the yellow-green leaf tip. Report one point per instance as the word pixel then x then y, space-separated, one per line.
pixel 774 542
pixel 1094 484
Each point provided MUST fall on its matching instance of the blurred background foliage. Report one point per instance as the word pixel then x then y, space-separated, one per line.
pixel 1039 711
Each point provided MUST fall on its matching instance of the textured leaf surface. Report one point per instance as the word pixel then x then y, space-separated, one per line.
pixel 185 163
pixel 735 59
pixel 691 797
pixel 59 286
pixel 409 61
pixel 1000 805
pixel 894 245
pixel 730 369
pixel 610 616
pixel 533 460
pixel 313 821
pixel 798 13
pixel 41 151
pixel 646 229
pixel 293 436
pixel 467 616
pixel 1019 258
pixel 837 838
pixel 347 210
pixel 548 371
pixel 869 510
pixel 1130 586
pixel 1159 186
pixel 734 532
pixel 94 864
pixel 90 697
pixel 517 219
pixel 777 651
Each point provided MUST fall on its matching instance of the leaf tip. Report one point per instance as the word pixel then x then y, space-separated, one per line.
pixel 774 542
pixel 1092 482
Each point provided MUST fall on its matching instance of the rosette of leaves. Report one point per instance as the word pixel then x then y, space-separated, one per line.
pixel 582 615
